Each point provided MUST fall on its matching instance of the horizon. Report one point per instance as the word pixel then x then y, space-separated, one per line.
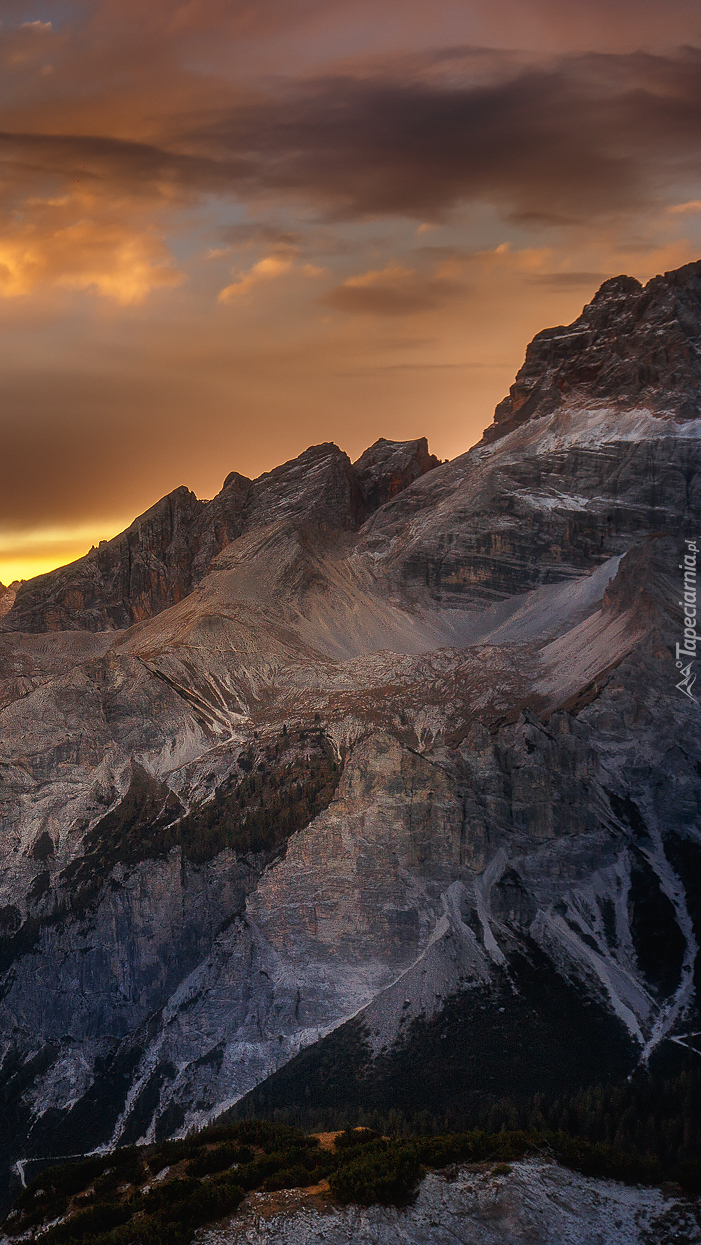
pixel 123 526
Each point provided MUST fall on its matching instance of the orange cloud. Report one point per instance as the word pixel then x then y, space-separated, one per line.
pixel 91 254
pixel 133 134
pixel 265 270
pixel 683 209
pixel 394 290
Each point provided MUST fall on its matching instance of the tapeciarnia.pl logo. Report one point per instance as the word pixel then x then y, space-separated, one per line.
pixel 687 649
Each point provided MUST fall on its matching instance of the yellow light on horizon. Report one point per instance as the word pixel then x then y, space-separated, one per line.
pixel 24 555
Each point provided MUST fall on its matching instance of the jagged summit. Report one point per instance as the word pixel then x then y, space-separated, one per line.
pixel 167 550
pixel 388 467
pixel 394 770
pixel 633 349
pixel 631 345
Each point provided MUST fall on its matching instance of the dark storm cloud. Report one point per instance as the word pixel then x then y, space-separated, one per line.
pixel 102 164
pixel 554 144
pixel 582 137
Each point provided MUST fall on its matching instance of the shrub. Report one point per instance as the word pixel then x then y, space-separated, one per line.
pixel 219 1159
pixel 603 1160
pixel 355 1137
pixel 164 1195
pixel 169 1152
pixel 387 1175
pixel 297 1177
pixel 63 1180
pixel 87 1223
pixel 688 1175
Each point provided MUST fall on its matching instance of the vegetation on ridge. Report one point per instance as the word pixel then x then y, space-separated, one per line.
pixel 160 1195
pixel 277 787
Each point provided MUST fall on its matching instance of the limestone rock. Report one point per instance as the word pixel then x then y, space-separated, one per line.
pixel 387 467
pixel 7 597
pixel 631 345
pixel 165 552
pixel 531 1202
pixel 487 659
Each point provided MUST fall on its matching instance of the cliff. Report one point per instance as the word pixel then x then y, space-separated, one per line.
pixel 343 785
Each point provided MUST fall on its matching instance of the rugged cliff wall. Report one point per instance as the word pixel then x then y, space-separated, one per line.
pixel 633 346
pixel 166 551
pixel 393 758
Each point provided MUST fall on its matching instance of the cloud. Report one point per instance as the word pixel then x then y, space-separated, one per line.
pixel 391 291
pixel 684 209
pixel 98 255
pixel 272 237
pixel 131 134
pixel 568 280
pixel 561 143
pixel 265 270
pixel 557 142
pixel 553 143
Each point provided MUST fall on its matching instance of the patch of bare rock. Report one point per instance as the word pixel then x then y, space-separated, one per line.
pixel 533 1202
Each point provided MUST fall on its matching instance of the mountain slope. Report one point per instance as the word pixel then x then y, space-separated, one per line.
pixel 357 754
pixel 166 551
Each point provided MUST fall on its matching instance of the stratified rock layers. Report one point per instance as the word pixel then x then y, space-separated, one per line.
pixel 472 660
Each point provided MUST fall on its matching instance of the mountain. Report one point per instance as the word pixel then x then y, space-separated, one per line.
pixel 166 551
pixel 368 787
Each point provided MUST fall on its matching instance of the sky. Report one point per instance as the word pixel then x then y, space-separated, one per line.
pixel 230 229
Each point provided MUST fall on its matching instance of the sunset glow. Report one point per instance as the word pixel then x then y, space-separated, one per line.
pixel 229 231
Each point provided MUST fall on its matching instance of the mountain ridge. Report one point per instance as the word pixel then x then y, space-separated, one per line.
pixel 168 549
pixel 485 657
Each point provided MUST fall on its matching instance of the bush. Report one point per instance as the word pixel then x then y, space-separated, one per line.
pixel 688 1175
pixel 170 1152
pixel 62 1181
pixel 387 1175
pixel 297 1177
pixel 363 1167
pixel 87 1223
pixel 164 1195
pixel 262 1133
pixel 606 1161
pixel 355 1137
pixel 219 1159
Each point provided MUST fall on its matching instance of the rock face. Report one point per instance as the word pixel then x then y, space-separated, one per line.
pixel 530 1202
pixel 166 551
pixel 388 467
pixel 632 346
pixel 144 569
pixel 392 762
pixel 7 597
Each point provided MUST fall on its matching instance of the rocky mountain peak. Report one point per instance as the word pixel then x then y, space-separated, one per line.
pixel 167 550
pixel 388 467
pixel 236 481
pixel 317 488
pixel 632 345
